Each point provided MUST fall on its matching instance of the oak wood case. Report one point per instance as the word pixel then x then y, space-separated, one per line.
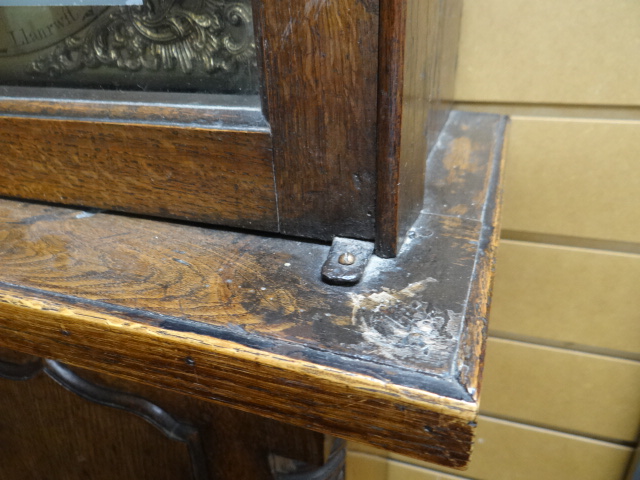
pixel 245 320
pixel 344 85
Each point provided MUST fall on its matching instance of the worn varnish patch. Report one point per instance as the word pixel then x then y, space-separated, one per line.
pixel 250 288
pixel 402 325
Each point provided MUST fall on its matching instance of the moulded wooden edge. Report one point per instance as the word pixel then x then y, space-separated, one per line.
pixel 473 342
pixel 354 406
pixel 243 195
pixel 219 112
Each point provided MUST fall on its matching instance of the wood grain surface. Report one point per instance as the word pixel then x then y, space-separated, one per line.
pixel 320 76
pixel 47 429
pixel 245 320
pixel 353 100
pixel 187 173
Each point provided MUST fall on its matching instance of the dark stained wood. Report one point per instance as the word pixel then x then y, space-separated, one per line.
pixel 472 345
pixel 320 75
pixel 359 407
pixel 457 168
pixel 466 154
pixel 246 321
pixel 393 15
pixel 200 174
pixel 48 432
pixel 51 430
pixel 418 48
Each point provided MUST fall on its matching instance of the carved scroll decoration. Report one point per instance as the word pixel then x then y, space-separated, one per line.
pixel 152 413
pixel 215 37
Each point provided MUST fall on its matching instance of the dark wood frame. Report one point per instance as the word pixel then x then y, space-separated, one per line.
pixel 344 87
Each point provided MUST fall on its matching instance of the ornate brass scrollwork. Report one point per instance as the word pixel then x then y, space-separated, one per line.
pixel 214 36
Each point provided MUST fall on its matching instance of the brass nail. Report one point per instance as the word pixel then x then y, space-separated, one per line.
pixel 347 259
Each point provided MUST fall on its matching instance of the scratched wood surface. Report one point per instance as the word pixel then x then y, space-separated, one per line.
pixel 246 320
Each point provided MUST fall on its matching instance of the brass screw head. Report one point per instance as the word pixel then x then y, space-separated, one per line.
pixel 347 259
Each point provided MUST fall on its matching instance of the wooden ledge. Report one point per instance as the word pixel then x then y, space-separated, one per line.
pixel 245 320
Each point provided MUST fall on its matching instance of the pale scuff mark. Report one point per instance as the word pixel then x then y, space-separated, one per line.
pixel 312 8
pixel 401 324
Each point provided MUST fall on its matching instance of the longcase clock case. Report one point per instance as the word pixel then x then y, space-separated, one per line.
pixel 351 95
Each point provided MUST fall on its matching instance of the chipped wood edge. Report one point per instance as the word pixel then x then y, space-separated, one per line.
pixel 471 350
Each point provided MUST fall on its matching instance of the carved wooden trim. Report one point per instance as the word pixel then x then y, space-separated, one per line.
pixel 171 427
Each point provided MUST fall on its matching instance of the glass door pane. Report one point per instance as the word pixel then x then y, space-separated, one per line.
pixel 205 46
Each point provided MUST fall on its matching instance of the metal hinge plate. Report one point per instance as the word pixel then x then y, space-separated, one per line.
pixel 346 261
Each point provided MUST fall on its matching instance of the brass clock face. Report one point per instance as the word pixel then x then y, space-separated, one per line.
pixel 172 45
pixel 29 29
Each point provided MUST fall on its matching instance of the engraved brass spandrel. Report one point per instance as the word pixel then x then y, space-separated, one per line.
pixel 181 45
